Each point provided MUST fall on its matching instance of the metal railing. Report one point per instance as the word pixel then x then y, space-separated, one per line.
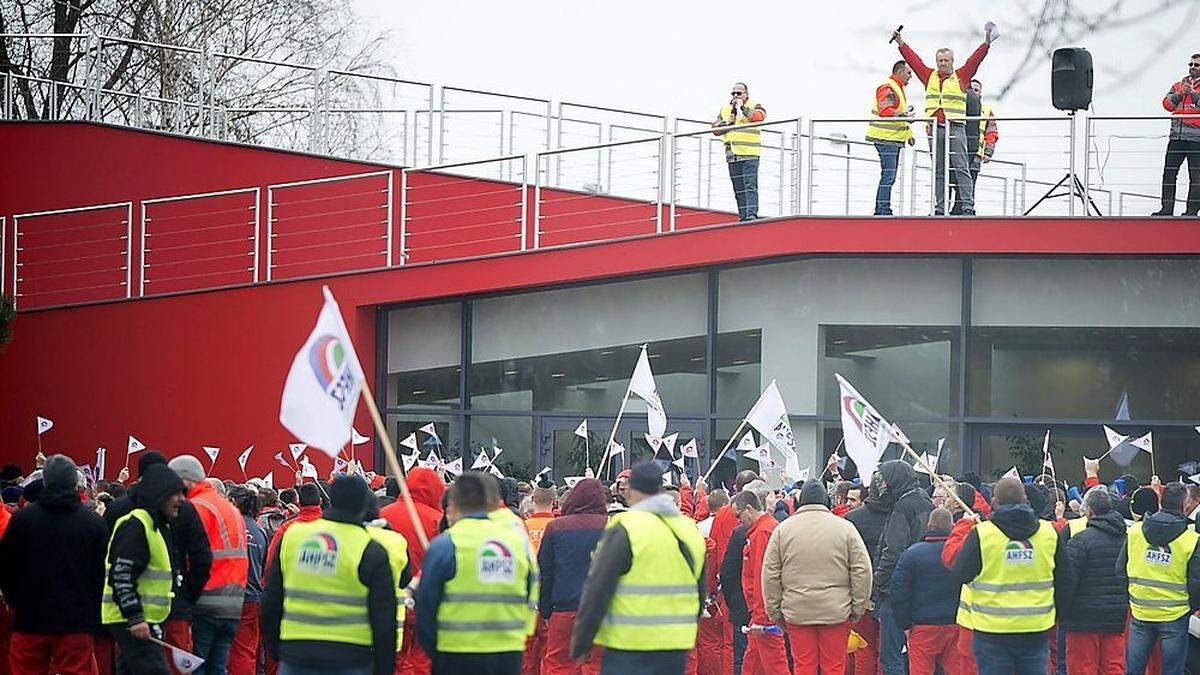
pixel 76 258
pixel 219 242
pixel 1129 162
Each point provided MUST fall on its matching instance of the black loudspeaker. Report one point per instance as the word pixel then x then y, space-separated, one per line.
pixel 1071 78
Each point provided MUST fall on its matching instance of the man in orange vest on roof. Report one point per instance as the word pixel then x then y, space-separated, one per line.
pixel 743 147
pixel 1184 141
pixel 946 101
pixel 216 614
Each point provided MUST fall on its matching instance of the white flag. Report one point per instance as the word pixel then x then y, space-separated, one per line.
pixel 679 462
pixel 307 470
pixel 926 460
pixel 212 455
pixel 1047 461
pixel 545 470
pixel 654 442
pixel 1144 442
pixel 269 479
pixel 410 441
pixel 866 433
pixel 1114 439
pixel 432 460
pixel 298 449
pixel 358 467
pixel 616 449
pixel 670 441
pixel 482 461
pixel 762 454
pixel 1197 428
pixel 43 425
pixel 572 480
pixel 747 443
pixel 689 450
pixel 941 444
pixel 101 460
pixel 455 467
pixel 279 458
pixel 245 457
pixel 1195 478
pixel 357 438
pixel 495 471
pixel 581 430
pixel 496 451
pixel 323 385
pixel 184 661
pixel 429 429
pixel 1012 473
pixel 769 416
pixel 340 465
pixel 409 460
pixel 134 446
pixel 804 474
pixel 642 385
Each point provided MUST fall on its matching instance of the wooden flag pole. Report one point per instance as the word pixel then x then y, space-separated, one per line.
pixel 835 452
pixel 613 434
pixel 389 455
pixel 933 474
pixel 724 450
pixel 587 450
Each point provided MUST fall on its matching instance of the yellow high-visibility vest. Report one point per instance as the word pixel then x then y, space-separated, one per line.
pixel 656 605
pixel 741 142
pixel 985 111
pixel 487 605
pixel 397 549
pixel 888 129
pixel 1077 525
pixel 1158 575
pixel 153 586
pixel 945 94
pixel 1014 592
pixel 963 618
pixel 323 598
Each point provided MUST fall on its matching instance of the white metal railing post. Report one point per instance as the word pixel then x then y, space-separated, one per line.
pixel 946 169
pixel 797 165
pixel 524 201
pixel 270 243
pixel 658 210
pixel 812 157
pixel 403 216
pixel 1072 191
pixel 1087 167
pixel 390 179
pixel 441 126
pixel 672 164
pixel 537 202
pixel 94 76
pixel 203 84
pixel 142 252
pixel 257 228
pixel 558 144
pixel 129 250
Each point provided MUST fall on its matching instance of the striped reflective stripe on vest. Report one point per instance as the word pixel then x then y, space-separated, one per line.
pixel 1014 587
pixel 499 599
pixel 651 620
pixel 655 589
pixel 1134 600
pixel 462 626
pixel 1156 583
pixel 1012 611
pixel 327 620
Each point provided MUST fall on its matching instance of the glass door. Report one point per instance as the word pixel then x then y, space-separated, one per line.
pixel 567 453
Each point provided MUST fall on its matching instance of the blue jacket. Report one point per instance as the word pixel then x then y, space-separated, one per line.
pixel 565 553
pixel 438 568
pixel 924 592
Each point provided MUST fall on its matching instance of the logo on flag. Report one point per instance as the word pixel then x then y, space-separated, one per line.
pixel 581 430
pixel 495 563
pixel 689 450
pixel 212 454
pixel 134 446
pixel 318 554
pixel 43 425
pixel 866 433
pixel 244 457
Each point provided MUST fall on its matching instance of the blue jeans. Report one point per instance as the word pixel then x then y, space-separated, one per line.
pixel 1173 636
pixel 889 160
pixel 892 658
pixel 286 668
pixel 211 640
pixel 739 649
pixel 994 658
pixel 744 174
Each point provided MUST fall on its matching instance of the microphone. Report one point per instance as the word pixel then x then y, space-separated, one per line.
pixel 895 33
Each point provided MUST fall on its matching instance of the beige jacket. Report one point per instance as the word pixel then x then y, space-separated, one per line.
pixel 816 570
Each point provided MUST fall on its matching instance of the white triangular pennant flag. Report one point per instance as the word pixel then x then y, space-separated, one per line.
pixel 1047 461
pixel 409 461
pixel 545 470
pixel 941 444
pixel 321 393
pixel 1197 428
pixel 410 441
pixel 429 429
pixel 926 460
pixel 581 430
pixel 495 471
pixel 357 438
pixel 307 470
pixel 269 479
pixel 615 449
pixel 86 472
pixel 1114 439
pixel 679 461
pixel 455 467
pixel 43 425
pixel 653 442
pixel 340 465
pixel 747 443
pixel 482 461
pixel 669 441
pixel 297 450
pixel 358 467
pixel 689 450
pixel 572 480
pixel 642 385
pixel 101 462
pixel 212 455
pixel 769 416
pixel 762 454
pixel 866 433
pixel 1012 473
pixel 279 458
pixel 134 446
pixel 245 457
pixel 1195 478
pixel 184 661
pixel 1144 442
pixel 432 460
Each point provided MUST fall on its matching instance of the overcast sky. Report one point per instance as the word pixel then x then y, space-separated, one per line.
pixel 800 58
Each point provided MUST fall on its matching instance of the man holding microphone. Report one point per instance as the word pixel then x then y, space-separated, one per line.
pixel 743 147
pixel 1184 143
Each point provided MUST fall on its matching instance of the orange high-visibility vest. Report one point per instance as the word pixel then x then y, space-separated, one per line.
pixel 226 587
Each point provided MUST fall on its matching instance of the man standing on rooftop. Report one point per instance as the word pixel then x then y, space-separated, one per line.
pixel 743 147
pixel 946 100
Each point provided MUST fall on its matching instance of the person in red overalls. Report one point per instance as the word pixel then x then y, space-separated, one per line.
pixel 765 650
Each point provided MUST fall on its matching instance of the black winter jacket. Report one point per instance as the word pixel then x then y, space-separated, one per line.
pixel 1162 528
pixel 905 524
pixel 1094 600
pixel 869 520
pixel 129 551
pixel 52 562
pixel 731 578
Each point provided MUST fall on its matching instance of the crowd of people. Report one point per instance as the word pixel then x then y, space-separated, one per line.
pixel 648 574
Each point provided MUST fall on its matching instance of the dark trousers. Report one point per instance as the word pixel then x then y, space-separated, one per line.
pixel 1177 152
pixel 739 649
pixel 621 662
pixel 998 658
pixel 891 640
pixel 138 657
pixel 502 663
pixel 1172 637
pixel 743 173
pixel 212 639
pixel 889 160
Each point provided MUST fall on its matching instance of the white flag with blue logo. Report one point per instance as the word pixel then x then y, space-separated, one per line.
pixel 44 425
pixel 323 386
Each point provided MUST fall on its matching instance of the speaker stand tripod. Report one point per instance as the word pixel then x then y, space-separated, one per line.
pixel 1071 192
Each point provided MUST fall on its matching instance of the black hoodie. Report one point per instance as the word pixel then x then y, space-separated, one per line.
pixel 52 558
pixel 129 551
pixel 1095 600
pixel 1161 528
pixel 1016 521
pixel 904 525
pixel 869 520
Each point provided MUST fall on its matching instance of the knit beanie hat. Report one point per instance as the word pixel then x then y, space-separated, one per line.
pixel 813 493
pixel 646 478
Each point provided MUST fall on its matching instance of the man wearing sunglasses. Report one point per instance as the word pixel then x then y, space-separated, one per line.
pixel 743 147
pixel 1184 143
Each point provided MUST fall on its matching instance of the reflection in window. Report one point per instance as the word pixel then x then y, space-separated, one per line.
pixel 447 444
pixel 424 359
pixel 904 371
pixel 513 434
pixel 1083 372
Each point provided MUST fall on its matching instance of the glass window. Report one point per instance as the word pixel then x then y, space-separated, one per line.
pixel 513 434
pixel 889 325
pixel 448 443
pixel 574 349
pixel 1002 447
pixel 424 359
pixel 1073 338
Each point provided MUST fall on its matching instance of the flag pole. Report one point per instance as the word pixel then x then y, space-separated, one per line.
pixel 934 475
pixel 389 455
pixel 612 436
pixel 724 450
pixel 835 452
pixel 587 451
